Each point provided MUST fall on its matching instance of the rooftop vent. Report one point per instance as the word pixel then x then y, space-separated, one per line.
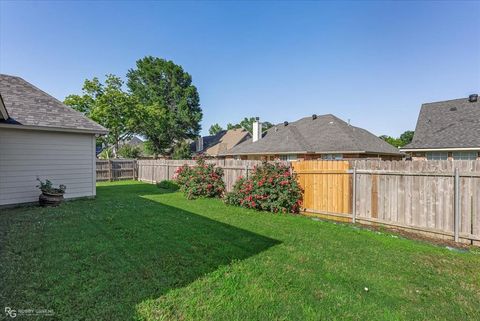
pixel 285 123
pixel 473 98
pixel 314 116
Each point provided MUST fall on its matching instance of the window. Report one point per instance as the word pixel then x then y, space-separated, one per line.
pixel 437 155
pixel 288 158
pixel 465 155
pixel 332 156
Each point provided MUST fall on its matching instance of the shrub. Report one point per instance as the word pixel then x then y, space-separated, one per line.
pixel 270 187
pixel 47 187
pixel 107 153
pixel 169 185
pixel 201 180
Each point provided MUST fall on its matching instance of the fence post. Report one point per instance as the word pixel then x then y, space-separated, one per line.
pixel 153 171
pixel 109 170
pixel 135 173
pixel 246 170
pixel 168 172
pixel 354 194
pixel 457 206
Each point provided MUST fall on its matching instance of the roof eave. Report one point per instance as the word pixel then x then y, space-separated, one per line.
pixel 435 149
pixel 264 153
pixel 55 129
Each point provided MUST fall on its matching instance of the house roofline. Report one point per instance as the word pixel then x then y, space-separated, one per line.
pixel 438 149
pixel 317 153
pixel 54 129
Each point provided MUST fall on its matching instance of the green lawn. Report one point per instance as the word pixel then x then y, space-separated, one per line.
pixel 137 253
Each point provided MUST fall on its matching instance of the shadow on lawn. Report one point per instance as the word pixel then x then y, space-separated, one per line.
pixel 106 255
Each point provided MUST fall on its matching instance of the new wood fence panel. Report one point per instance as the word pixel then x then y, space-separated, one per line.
pixel 326 185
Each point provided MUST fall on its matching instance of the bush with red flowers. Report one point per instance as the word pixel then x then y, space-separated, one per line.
pixel 201 180
pixel 270 187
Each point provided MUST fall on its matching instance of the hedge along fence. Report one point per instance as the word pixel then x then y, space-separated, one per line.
pixel 154 171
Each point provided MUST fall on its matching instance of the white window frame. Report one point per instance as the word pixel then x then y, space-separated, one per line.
pixel 436 155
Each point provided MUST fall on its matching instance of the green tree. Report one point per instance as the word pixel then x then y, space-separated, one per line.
pixel 215 129
pixel 247 124
pixel 407 137
pixel 168 105
pixel 108 105
pixel 182 150
pixel 403 140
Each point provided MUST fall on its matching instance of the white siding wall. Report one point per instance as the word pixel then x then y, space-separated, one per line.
pixel 64 158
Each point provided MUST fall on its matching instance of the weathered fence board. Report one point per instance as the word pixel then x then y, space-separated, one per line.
pixel 117 169
pixel 154 171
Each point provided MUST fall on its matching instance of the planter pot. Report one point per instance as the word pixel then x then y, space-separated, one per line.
pixel 48 199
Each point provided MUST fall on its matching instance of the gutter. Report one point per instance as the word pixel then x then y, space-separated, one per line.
pixel 54 129
pixel 317 153
pixel 446 149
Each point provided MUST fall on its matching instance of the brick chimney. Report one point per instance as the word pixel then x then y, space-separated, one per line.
pixel 256 130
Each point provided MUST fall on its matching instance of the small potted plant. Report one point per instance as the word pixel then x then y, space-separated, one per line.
pixel 51 196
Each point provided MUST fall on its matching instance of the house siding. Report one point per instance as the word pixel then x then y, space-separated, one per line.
pixel 63 158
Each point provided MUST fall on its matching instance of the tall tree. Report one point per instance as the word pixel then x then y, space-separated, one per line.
pixel 247 124
pixel 108 105
pixel 215 129
pixel 403 140
pixel 407 137
pixel 168 105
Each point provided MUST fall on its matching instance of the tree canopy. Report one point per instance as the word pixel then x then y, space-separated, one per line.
pixel 167 103
pixel 108 105
pixel 215 129
pixel 247 124
pixel 404 139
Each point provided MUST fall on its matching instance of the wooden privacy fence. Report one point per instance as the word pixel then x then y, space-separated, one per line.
pixel 440 198
pixel 118 169
pixel 154 171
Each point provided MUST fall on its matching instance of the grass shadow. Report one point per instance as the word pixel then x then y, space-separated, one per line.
pixel 97 259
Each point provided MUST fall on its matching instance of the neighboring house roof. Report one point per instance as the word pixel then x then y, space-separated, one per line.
pixel 134 141
pixel 223 141
pixel 31 107
pixel 447 124
pixel 325 134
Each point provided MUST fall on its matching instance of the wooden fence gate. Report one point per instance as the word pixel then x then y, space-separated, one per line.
pixel 326 185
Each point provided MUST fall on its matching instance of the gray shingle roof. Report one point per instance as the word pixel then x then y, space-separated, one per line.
pixel 447 124
pixel 325 134
pixel 29 106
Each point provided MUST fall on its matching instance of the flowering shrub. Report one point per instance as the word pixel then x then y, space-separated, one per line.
pixel 201 180
pixel 270 187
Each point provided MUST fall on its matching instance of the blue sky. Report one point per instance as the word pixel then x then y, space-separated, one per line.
pixel 371 62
